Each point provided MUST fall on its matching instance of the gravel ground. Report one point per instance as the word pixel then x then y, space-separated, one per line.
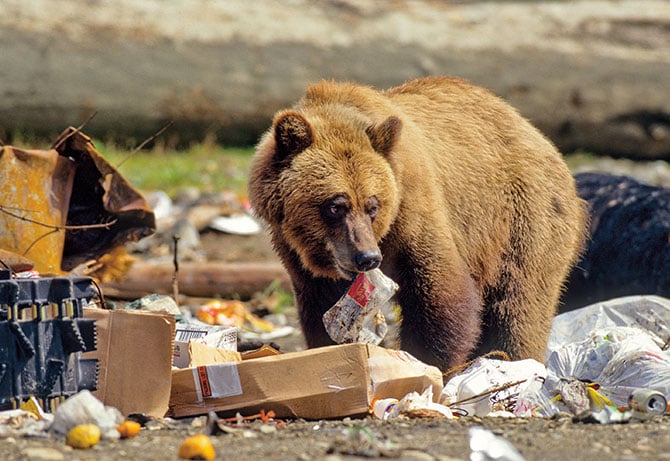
pixel 416 439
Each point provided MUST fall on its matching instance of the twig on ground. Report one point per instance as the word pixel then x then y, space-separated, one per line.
pixel 58 143
pixel 175 275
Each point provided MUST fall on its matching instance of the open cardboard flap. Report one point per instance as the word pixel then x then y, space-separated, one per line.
pixel 134 351
pixel 321 383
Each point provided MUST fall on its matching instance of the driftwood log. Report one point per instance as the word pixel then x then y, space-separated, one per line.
pixel 203 280
pixel 592 74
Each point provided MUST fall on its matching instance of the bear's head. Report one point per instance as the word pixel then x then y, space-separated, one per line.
pixel 324 183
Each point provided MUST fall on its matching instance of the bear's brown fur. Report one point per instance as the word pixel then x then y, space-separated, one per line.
pixel 467 206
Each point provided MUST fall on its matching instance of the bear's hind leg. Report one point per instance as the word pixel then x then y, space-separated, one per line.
pixel 518 313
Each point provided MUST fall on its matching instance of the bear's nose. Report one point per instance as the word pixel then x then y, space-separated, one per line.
pixel 367 260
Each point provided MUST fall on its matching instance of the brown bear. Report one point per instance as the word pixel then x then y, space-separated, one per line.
pixel 443 186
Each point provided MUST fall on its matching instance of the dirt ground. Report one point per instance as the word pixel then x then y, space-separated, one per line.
pixel 406 439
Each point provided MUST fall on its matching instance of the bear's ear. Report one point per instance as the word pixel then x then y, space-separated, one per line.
pixel 293 134
pixel 384 136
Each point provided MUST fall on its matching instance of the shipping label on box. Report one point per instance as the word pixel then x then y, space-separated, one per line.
pixel 215 336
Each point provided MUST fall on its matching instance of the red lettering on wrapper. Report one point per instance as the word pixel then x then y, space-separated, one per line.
pixel 361 290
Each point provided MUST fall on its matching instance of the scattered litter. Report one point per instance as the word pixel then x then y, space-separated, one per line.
pixel 215 339
pixel 236 313
pixel 161 204
pixel 84 408
pixel 238 224
pixel 415 405
pixel 34 407
pixel 619 359
pixel 486 446
pixel 489 385
pixel 359 440
pixel 264 417
pixel 156 303
pixel 604 357
pixel 231 313
pixel 383 408
pixel 358 316
pixel 332 382
pixel 574 395
pixel 647 403
pixel 22 423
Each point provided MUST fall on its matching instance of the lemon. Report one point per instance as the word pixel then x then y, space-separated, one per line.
pixel 83 436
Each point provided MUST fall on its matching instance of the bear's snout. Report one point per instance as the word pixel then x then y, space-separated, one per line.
pixel 367 260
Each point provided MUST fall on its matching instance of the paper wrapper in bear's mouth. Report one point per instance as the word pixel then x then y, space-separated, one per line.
pixel 358 315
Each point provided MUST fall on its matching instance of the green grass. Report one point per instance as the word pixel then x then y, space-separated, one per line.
pixel 577 159
pixel 210 168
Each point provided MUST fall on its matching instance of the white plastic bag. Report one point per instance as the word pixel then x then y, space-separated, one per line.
pixel 650 314
pixel 85 408
pixel 619 359
pixel 485 375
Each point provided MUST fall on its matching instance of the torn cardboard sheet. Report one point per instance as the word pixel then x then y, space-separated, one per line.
pixel 321 383
pixel 134 351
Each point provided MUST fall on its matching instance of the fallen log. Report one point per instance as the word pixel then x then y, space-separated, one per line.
pixel 205 280
pixel 590 74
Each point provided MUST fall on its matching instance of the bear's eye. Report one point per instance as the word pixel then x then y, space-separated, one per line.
pixel 372 207
pixel 335 209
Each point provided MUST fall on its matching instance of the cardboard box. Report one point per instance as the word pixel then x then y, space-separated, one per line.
pixel 134 351
pixel 321 383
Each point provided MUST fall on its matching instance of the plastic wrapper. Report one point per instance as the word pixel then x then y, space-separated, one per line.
pixel 358 315
pixel 412 405
pixel 490 385
pixel 486 446
pixel 534 400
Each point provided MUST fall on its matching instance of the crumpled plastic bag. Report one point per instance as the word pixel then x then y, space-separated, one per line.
pixel 619 359
pixel 358 315
pixel 412 405
pixel 85 408
pixel 466 393
pixel 650 314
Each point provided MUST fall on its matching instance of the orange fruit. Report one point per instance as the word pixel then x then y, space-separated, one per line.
pixel 197 447
pixel 129 429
